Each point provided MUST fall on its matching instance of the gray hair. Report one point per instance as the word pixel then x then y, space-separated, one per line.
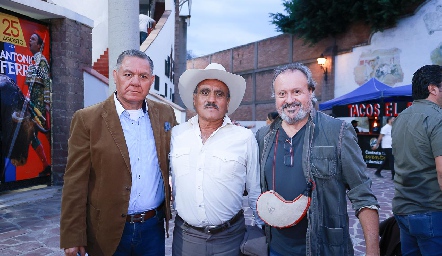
pixel 134 53
pixel 292 67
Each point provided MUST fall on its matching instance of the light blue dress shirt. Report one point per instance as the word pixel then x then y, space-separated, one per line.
pixel 147 190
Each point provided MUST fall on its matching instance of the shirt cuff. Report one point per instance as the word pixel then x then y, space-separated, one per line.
pixel 373 207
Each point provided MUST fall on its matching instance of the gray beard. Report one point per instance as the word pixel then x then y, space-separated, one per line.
pixel 300 115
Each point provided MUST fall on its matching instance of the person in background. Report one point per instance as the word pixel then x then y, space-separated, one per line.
pixel 212 162
pixel 385 138
pixel 355 125
pixel 271 116
pixel 304 150
pixel 146 23
pixel 417 150
pixel 390 242
pixel 116 190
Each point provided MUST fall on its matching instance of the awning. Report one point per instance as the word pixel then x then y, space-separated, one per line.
pixel 371 90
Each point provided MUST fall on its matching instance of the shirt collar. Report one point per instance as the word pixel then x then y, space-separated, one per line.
pixel 427 102
pixel 194 120
pixel 120 108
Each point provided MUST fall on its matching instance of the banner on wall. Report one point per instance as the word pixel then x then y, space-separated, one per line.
pixel 25 87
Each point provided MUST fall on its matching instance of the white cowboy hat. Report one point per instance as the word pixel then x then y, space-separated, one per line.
pixel 192 77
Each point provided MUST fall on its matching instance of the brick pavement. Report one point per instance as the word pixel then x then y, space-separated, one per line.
pixel 29 219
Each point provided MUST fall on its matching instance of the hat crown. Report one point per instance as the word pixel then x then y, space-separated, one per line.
pixel 215 66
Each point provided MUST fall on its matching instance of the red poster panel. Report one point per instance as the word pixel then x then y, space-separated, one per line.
pixel 25 87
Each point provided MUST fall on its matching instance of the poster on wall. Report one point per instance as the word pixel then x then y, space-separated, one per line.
pixel 25 87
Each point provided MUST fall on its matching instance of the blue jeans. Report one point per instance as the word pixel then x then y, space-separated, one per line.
pixel 143 238
pixel 273 253
pixel 421 234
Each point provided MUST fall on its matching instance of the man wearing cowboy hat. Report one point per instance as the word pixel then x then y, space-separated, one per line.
pixel 211 160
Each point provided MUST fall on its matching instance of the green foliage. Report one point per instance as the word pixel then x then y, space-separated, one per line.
pixel 314 20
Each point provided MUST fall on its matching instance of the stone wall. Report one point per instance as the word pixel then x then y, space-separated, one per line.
pixel 71 50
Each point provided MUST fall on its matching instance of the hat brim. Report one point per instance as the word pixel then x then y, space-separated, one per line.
pixel 192 77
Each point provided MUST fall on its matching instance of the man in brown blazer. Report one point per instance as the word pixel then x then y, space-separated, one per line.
pixel 116 191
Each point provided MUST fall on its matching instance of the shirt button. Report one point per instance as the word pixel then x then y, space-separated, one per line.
pixel 123 215
pixel 127 188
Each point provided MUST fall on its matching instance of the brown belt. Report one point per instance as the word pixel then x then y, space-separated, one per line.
pixel 142 217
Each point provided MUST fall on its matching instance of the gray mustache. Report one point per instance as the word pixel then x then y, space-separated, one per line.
pixel 294 104
pixel 211 104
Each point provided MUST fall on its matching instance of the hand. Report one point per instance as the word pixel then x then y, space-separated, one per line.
pixel 73 251
pixel 375 147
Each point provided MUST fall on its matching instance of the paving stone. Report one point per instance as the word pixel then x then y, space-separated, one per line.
pixel 9 234
pixel 9 252
pixel 23 233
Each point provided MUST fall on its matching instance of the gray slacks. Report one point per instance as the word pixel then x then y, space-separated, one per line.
pixel 190 242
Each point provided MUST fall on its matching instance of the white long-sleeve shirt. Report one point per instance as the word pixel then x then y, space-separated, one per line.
pixel 208 179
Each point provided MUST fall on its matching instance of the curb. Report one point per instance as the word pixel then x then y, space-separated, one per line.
pixel 26 195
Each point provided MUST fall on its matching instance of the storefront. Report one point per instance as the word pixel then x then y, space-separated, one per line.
pixel 372 103
pixel 375 115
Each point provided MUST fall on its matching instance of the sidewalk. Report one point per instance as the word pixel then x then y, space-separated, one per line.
pixel 29 219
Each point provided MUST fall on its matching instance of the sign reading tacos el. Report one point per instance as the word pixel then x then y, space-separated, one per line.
pixel 25 87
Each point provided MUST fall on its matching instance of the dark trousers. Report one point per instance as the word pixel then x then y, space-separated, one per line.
pixel 389 159
pixel 143 36
pixel 143 238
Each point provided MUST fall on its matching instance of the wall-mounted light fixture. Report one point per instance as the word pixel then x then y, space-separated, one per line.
pixel 321 62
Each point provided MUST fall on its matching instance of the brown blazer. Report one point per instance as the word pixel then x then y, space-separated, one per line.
pixel 97 181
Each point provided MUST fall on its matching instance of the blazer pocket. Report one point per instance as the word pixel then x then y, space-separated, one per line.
pixel 335 236
pixel 323 161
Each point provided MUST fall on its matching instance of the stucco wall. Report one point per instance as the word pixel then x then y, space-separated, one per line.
pixel 392 56
pixel 159 50
pixel 97 11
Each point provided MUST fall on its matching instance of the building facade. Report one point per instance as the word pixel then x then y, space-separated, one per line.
pixel 352 58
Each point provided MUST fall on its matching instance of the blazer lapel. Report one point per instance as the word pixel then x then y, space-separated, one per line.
pixel 154 116
pixel 110 117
